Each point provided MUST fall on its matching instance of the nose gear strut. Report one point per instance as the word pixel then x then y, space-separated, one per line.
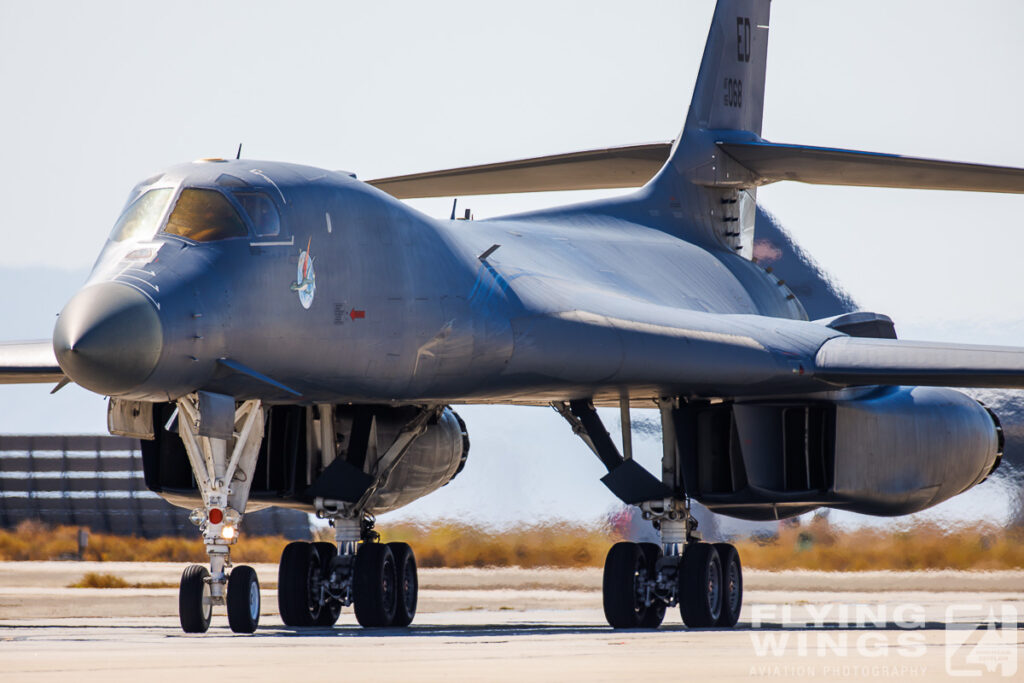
pixel 222 441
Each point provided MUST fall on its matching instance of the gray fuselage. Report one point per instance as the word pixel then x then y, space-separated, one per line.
pixel 402 309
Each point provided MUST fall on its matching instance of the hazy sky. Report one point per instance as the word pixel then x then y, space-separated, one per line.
pixel 99 95
pixel 96 96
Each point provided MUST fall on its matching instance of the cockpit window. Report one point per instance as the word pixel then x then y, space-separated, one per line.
pixel 205 216
pixel 261 211
pixel 142 217
pixel 228 180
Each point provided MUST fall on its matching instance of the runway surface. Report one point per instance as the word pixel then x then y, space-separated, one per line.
pixel 505 625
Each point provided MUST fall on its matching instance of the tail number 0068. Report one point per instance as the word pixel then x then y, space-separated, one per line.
pixel 733 92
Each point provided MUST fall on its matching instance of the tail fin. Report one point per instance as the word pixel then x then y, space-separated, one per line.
pixel 729 93
pixel 713 195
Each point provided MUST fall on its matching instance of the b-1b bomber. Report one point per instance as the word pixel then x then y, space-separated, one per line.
pixel 284 335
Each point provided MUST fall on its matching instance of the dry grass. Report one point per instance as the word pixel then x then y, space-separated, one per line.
pixel 97 580
pixel 35 541
pixel 922 546
pixel 816 545
pixel 457 544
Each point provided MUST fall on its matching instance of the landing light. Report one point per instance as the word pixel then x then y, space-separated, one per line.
pixel 228 532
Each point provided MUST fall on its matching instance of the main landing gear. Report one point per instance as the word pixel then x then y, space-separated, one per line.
pixel 642 580
pixel 379 580
pixel 315 580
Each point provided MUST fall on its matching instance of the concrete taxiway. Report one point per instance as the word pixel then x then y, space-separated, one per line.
pixel 518 625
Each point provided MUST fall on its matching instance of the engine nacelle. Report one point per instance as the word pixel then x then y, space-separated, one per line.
pixel 885 451
pixel 432 460
pixel 906 449
pixel 301 445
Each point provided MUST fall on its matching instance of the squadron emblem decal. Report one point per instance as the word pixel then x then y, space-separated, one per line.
pixel 305 278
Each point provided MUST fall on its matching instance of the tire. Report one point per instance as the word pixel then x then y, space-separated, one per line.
pixel 374 585
pixel 700 586
pixel 298 577
pixel 622 570
pixel 732 585
pixel 243 600
pixel 194 606
pixel 330 612
pixel 655 613
pixel 407 583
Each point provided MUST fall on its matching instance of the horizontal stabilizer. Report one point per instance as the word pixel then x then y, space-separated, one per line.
pixel 594 169
pixel 767 162
pixel 771 162
pixel 850 361
pixel 29 363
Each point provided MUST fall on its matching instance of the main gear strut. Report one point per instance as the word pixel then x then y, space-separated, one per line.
pixel 316 580
pixel 641 580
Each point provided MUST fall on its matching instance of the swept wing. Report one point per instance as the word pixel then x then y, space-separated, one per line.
pixel 30 362
pixel 849 361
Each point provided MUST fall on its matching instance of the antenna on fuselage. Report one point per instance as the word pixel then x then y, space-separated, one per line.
pixel 455 202
pixel 238 154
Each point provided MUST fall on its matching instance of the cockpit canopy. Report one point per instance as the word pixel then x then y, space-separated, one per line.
pixel 261 211
pixel 199 214
pixel 205 216
pixel 141 219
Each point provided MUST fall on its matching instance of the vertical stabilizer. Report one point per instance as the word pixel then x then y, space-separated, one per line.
pixel 715 196
pixel 729 93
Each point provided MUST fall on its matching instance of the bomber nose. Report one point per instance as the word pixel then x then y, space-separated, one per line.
pixel 108 338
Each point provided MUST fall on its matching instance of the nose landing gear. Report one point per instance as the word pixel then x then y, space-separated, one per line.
pixel 195 606
pixel 222 441
pixel 243 600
